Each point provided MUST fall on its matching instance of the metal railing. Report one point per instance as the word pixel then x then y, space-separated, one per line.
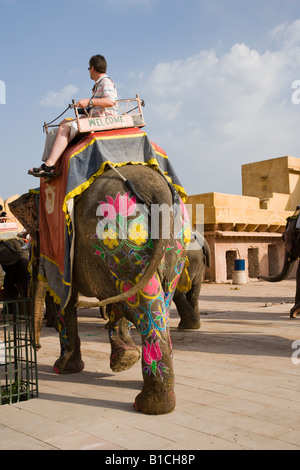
pixel 18 365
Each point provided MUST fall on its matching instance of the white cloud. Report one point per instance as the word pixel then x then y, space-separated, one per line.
pixel 59 98
pixel 287 34
pixel 215 113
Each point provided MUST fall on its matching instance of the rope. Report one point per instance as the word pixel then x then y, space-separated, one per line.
pixel 47 124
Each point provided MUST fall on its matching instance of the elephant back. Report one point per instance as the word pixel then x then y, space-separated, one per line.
pixel 11 252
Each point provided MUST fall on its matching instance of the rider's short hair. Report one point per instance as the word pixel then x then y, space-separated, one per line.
pixel 99 63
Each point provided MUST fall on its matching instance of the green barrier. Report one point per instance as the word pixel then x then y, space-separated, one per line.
pixel 18 365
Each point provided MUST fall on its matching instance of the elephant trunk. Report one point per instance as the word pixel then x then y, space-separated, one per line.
pixel 39 310
pixel 286 269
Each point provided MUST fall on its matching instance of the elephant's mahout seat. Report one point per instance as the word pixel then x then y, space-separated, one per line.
pixel 83 162
pixel 126 117
pixel 129 114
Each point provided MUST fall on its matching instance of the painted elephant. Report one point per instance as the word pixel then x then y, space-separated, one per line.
pixel 291 237
pixel 129 265
pixel 187 299
pixel 186 296
pixel 14 261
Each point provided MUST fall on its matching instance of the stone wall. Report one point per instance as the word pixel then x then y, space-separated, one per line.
pixel 249 226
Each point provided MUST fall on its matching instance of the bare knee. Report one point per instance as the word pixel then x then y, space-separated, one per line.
pixel 64 128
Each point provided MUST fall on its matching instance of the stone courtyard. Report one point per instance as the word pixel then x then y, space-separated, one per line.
pixel 237 383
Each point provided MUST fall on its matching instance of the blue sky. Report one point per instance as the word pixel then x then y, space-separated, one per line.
pixel 216 77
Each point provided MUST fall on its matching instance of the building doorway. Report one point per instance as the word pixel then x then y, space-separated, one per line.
pixel 253 263
pixel 273 260
pixel 231 255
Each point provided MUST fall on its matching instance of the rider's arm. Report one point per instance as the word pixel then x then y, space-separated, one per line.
pixel 97 102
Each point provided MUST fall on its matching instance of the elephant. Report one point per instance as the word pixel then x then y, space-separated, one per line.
pixel 186 298
pixel 135 275
pixel 291 238
pixel 14 261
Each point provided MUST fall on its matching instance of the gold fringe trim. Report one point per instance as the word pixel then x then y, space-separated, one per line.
pixel 51 292
pixel 81 188
pixel 184 284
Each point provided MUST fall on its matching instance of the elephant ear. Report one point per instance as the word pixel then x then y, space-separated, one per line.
pixel 25 209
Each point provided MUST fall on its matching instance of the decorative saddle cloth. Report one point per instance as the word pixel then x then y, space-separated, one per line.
pixel 80 164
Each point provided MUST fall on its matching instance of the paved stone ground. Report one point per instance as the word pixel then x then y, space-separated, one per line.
pixel 236 384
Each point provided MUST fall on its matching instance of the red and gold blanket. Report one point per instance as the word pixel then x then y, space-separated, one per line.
pixel 80 164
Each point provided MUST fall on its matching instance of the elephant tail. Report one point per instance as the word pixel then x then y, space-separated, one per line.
pixel 159 250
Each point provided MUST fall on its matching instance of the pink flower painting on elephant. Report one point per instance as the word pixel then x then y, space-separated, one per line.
pixel 122 205
pixel 152 356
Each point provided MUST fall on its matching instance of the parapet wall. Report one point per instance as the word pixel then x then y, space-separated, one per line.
pixel 227 212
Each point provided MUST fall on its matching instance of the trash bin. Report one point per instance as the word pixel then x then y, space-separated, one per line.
pixel 18 365
pixel 239 273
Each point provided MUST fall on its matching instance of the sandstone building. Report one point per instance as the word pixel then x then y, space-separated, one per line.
pixel 250 226
pixel 247 226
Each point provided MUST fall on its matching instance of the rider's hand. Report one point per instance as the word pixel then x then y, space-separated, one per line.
pixel 83 103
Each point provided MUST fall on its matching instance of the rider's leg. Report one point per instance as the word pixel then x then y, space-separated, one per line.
pixel 60 143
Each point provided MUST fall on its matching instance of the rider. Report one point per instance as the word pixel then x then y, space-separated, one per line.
pixel 102 103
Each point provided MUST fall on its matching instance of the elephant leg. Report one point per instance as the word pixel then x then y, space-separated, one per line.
pixel 296 309
pixel 70 360
pixel 9 284
pixel 193 296
pixel 22 277
pixel 189 317
pixel 152 321
pixel 124 353
pixel 52 310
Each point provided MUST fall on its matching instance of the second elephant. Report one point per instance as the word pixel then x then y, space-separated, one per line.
pixel 14 262
pixel 186 297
